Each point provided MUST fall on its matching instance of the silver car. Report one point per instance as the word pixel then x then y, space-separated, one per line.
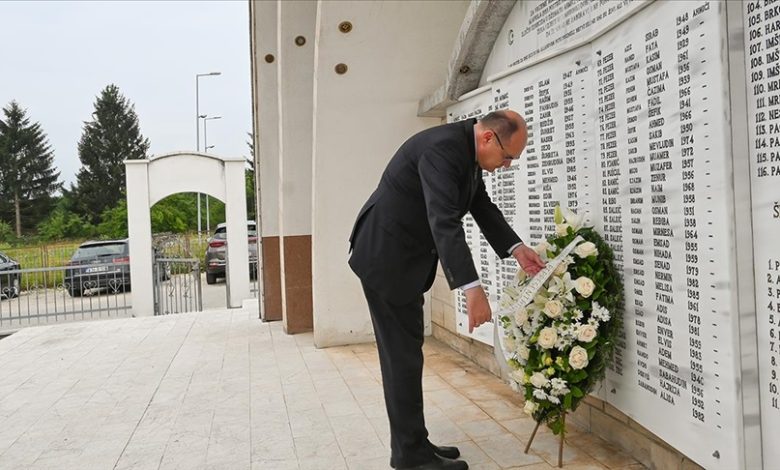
pixel 215 252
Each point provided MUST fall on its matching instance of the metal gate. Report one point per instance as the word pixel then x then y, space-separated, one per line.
pixel 177 286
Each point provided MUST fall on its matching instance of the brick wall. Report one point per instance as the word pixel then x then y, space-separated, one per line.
pixel 593 415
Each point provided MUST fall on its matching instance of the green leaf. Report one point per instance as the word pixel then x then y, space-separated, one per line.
pixel 576 391
pixel 567 400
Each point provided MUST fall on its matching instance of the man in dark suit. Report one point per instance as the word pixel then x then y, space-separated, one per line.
pixel 410 222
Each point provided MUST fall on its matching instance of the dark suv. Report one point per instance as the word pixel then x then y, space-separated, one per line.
pixel 215 252
pixel 9 283
pixel 99 265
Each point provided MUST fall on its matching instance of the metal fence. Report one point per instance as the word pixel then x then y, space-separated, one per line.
pixel 177 287
pixel 40 296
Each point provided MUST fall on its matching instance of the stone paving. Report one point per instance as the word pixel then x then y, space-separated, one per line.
pixel 222 390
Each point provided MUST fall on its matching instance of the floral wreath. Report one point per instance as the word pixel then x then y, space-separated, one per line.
pixel 559 327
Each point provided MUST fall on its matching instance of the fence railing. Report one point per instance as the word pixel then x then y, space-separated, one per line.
pixel 177 287
pixel 41 296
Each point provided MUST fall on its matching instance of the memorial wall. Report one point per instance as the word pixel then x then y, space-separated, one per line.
pixel 629 112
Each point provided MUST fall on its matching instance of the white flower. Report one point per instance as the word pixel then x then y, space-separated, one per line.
pixel 538 380
pixel 586 333
pixel 553 308
pixel 559 387
pixel 561 285
pixel 592 321
pixel 523 352
pixel 521 316
pixel 599 312
pixel 542 247
pixel 576 314
pixel 586 249
pixel 572 218
pixel 518 375
pixel 554 400
pixel 584 286
pixel 578 357
pixel 530 407
pixel 547 338
pixel 540 394
pixel 561 268
pixel 561 229
pixel 509 343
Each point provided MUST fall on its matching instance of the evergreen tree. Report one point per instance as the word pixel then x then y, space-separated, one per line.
pixel 112 137
pixel 28 179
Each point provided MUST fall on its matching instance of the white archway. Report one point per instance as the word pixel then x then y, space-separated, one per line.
pixel 149 181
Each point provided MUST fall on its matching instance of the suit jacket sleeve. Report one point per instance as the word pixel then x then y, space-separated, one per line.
pixel 440 177
pixel 492 222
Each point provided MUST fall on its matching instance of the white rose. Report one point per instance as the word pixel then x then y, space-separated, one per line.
pixel 521 316
pixel 530 407
pixel 523 352
pixel 553 308
pixel 538 380
pixel 518 376
pixel 561 268
pixel 509 343
pixel 586 333
pixel 542 248
pixel 586 249
pixel 561 229
pixel 584 286
pixel 547 337
pixel 578 357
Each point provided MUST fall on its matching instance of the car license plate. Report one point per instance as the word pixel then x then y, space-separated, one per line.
pixel 97 269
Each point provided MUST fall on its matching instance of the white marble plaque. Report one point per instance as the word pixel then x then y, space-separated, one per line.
pixel 633 128
pixel 762 60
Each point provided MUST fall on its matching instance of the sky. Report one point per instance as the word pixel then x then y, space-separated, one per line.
pixel 56 57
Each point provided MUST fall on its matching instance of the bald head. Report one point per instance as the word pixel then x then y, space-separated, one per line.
pixel 504 123
pixel 501 137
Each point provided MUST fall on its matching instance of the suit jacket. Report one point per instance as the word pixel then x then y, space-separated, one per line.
pixel 413 218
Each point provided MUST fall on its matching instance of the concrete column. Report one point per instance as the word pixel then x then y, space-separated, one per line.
pixel 140 234
pixel 295 43
pixel 265 60
pixel 237 268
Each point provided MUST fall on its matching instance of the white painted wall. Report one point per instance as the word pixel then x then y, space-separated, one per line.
pixel 397 53
pixel 266 102
pixel 295 18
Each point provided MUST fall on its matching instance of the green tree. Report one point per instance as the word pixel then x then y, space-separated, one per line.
pixel 249 178
pixel 111 137
pixel 28 179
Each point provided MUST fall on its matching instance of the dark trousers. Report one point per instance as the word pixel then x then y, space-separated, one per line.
pixel 399 335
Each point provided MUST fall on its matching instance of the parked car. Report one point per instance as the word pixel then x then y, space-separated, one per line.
pixel 99 265
pixel 9 283
pixel 215 252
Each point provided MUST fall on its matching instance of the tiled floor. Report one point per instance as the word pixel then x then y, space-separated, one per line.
pixel 221 390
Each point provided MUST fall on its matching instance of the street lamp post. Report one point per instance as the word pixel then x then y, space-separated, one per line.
pixel 206 148
pixel 197 126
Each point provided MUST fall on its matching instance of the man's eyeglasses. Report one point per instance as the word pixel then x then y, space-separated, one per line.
pixel 506 154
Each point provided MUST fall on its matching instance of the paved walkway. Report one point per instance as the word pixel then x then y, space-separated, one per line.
pixel 222 390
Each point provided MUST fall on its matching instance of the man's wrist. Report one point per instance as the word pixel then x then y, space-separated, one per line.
pixel 471 285
pixel 515 247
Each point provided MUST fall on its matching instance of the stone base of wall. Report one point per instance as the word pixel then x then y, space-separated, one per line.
pixel 593 414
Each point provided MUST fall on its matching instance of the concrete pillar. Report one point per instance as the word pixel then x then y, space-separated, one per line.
pixel 237 269
pixel 265 60
pixel 295 43
pixel 139 226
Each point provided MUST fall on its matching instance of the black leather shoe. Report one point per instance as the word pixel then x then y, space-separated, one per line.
pixel 440 464
pixel 441 451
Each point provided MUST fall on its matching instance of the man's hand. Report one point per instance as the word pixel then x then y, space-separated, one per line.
pixel 478 307
pixel 528 259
